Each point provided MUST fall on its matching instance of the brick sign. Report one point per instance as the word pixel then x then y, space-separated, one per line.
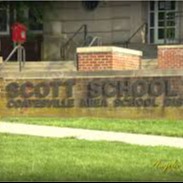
pixel 87 95
pixel 95 93
pixel 109 83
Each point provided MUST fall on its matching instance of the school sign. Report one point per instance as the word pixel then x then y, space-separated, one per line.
pixel 124 93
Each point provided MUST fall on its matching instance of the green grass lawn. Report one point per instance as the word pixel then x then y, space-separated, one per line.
pixel 158 127
pixel 26 158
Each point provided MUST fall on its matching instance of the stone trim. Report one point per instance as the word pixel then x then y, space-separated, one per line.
pixel 170 46
pixel 94 74
pixel 102 49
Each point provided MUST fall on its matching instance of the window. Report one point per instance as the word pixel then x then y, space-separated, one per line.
pixel 90 5
pixel 152 5
pixel 35 20
pixel 31 17
pixel 4 18
pixel 162 22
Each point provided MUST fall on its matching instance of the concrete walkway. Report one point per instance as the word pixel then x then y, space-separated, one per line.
pixel 58 132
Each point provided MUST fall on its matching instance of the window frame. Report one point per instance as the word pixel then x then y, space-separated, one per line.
pixel 8 26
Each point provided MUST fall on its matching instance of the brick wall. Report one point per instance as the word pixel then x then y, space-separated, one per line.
pixel 108 58
pixel 170 57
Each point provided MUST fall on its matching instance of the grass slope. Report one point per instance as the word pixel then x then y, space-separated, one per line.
pixel 24 158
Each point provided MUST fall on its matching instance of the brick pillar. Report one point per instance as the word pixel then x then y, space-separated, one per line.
pixel 108 58
pixel 170 57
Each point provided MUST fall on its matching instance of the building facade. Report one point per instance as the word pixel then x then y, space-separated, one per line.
pixel 139 25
